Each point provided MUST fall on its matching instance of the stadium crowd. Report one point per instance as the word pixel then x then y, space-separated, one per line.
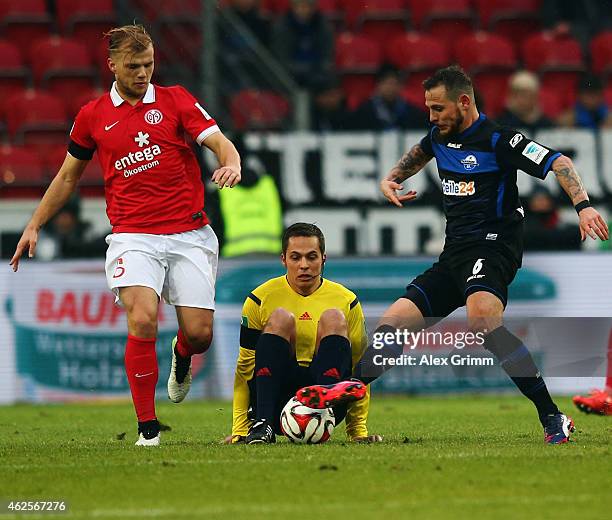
pixel 535 64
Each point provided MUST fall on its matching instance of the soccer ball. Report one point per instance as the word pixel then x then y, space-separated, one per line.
pixel 304 425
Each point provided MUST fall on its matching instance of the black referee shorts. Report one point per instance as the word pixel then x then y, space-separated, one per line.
pixel 461 270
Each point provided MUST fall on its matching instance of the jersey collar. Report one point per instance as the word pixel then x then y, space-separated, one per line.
pixel 117 100
pixel 471 129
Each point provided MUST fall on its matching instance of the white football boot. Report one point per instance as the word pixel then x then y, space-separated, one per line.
pixel 142 441
pixel 177 391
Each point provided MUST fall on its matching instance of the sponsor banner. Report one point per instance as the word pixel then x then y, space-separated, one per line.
pixel 63 337
pixel 68 336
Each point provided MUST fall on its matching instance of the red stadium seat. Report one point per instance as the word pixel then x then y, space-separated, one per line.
pixel 490 60
pixel 423 11
pixel 483 51
pixel 553 102
pixel 492 11
pixel 514 19
pixel 379 19
pixel 153 10
pixel 444 19
pixel 84 20
pixel 13 75
pixel 258 109
pixel 356 53
pixel 416 52
pixel 74 104
pixel 23 21
pixel 557 60
pixel 358 58
pixel 418 55
pixel 62 65
pixel 276 7
pixel 19 166
pixel 601 53
pixel 37 117
pixel 543 52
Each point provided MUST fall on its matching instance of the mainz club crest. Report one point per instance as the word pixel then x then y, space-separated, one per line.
pixel 153 117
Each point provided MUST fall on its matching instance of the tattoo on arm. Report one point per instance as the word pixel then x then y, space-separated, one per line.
pixel 410 163
pixel 570 181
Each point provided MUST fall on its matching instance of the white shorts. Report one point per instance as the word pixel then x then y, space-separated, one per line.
pixel 181 268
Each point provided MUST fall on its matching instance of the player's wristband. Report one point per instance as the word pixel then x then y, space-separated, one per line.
pixel 581 205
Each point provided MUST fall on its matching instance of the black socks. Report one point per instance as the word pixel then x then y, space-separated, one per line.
pixel 515 359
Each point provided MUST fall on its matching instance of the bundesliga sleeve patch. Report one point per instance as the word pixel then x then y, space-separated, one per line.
pixel 535 152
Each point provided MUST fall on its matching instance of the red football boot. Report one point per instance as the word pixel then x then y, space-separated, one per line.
pixel 598 402
pixel 327 396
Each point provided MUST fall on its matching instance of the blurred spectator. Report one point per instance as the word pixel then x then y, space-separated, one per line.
pixel 543 231
pixel 67 236
pixel 247 11
pixel 329 109
pixel 580 18
pixel 303 41
pixel 236 53
pixel 522 106
pixel 386 109
pixel 590 110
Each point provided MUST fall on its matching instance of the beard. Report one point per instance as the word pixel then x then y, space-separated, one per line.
pixel 456 125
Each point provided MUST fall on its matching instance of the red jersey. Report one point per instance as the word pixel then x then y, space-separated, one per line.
pixel 152 179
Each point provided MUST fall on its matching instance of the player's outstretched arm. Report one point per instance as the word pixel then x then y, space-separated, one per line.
pixel 591 222
pixel 410 164
pixel 57 194
pixel 228 174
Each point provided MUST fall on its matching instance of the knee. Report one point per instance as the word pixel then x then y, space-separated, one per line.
pixel 142 322
pixel 199 339
pixel 484 315
pixel 333 321
pixel 281 323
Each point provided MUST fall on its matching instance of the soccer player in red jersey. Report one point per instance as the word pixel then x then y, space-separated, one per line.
pixel 161 244
pixel 599 401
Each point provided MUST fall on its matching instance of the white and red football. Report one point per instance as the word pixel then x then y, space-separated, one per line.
pixel 304 425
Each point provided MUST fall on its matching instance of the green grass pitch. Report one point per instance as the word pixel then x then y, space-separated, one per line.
pixel 466 457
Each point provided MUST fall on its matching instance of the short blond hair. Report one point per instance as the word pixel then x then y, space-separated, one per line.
pixel 133 38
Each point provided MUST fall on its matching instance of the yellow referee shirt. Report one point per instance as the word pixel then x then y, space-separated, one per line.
pixel 256 311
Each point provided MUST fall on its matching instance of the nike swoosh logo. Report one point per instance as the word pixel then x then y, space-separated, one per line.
pixel 107 128
pixel 144 375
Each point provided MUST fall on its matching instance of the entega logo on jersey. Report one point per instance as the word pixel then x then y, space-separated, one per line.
pixel 132 158
pixel 460 189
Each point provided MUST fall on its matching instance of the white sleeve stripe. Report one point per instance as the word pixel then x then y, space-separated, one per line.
pixel 209 131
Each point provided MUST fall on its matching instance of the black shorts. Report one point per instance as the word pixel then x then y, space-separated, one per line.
pixel 295 378
pixel 463 269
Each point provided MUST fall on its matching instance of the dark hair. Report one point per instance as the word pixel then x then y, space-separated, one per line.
pixel 386 70
pixel 454 79
pixel 303 229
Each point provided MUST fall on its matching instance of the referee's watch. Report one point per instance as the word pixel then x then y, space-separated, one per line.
pixel 581 205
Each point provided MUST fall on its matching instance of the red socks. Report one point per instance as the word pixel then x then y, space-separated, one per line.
pixel 141 369
pixel 182 347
